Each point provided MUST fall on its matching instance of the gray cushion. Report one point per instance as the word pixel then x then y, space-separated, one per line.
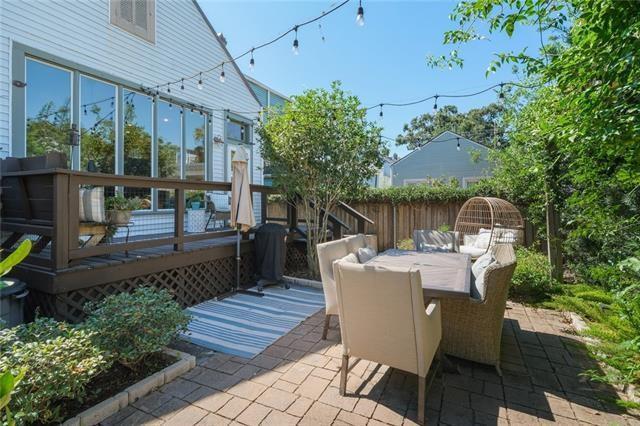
pixel 477 286
pixel 365 254
pixel 482 263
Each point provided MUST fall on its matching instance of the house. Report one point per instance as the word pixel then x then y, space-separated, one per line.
pixel 268 98
pixel 382 179
pixel 446 157
pixel 265 94
pixel 72 79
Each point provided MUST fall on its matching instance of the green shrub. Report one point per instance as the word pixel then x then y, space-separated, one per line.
pixel 58 360
pixel 531 280
pixel 132 326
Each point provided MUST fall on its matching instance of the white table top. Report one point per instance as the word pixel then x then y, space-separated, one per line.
pixel 444 275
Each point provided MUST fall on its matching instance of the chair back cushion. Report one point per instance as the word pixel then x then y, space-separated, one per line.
pixel 327 254
pixel 382 314
pixel 92 205
pixel 432 240
pixel 355 242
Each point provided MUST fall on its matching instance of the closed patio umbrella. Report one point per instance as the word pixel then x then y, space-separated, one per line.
pixel 242 217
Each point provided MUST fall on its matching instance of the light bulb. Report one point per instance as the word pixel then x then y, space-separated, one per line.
pixel 222 78
pixel 200 82
pixel 458 146
pixel 360 16
pixel 295 48
pixel 252 64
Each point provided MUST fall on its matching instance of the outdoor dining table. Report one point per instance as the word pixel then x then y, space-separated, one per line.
pixel 443 275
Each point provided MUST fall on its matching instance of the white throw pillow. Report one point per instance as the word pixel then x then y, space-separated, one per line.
pixel 484 237
pixel 365 254
pixel 91 205
pixel 481 264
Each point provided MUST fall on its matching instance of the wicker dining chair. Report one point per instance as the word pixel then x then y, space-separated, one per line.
pixel 471 328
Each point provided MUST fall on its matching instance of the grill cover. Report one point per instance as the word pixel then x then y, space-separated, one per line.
pixel 271 251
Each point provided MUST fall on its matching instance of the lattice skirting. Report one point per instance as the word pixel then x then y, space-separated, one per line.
pixel 189 285
pixel 296 258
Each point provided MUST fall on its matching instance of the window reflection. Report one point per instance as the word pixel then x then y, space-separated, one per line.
pixel 236 131
pixel 169 147
pixel 97 125
pixel 48 108
pixel 138 116
pixel 194 144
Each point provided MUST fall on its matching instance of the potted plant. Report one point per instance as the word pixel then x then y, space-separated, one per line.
pixel 13 292
pixel 195 199
pixel 118 209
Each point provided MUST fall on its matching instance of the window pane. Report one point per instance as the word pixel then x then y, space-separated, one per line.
pixel 169 147
pixel 48 109
pixel 97 125
pixel 235 131
pixel 194 155
pixel 138 117
pixel 169 140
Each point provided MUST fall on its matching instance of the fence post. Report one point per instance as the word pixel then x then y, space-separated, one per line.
pixel 178 219
pixel 61 201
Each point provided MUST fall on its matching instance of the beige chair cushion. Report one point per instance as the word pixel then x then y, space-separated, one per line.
pixel 383 317
pixel 355 242
pixel 350 258
pixel 327 254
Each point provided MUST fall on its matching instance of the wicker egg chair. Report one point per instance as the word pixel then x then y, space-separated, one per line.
pixel 485 221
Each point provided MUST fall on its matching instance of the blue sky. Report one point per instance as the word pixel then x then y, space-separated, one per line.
pixel 384 61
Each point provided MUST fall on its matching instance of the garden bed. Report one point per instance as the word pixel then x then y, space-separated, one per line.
pixel 118 387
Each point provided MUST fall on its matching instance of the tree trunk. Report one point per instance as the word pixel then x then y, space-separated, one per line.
pixel 554 242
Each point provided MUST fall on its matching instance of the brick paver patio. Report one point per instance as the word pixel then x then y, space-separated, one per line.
pixel 295 381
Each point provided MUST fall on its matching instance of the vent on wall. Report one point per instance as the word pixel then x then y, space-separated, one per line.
pixel 136 17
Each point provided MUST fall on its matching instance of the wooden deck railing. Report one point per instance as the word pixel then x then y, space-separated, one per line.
pixel 45 203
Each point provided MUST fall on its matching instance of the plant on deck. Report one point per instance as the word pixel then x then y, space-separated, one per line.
pixel 132 326
pixel 321 150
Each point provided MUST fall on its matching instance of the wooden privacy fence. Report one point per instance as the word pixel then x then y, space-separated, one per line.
pixel 393 224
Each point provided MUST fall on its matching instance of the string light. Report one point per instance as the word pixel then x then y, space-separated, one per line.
pixel 169 88
pixel 182 84
pixel 458 146
pixel 360 15
pixel 295 47
pixel 252 62
pixel 200 82
pixel 435 104
pixel 501 94
pixel 381 113
pixel 222 77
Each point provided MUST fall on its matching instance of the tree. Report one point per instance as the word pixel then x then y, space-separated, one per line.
pixel 583 125
pixel 482 125
pixel 321 150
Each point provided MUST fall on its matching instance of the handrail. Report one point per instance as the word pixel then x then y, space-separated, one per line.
pixel 63 228
pixel 353 212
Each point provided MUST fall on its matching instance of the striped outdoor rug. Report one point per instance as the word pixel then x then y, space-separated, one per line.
pixel 245 325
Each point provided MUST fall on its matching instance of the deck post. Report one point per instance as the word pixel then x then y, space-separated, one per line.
pixel 60 243
pixel 179 219
pixel 264 203
pixel 73 213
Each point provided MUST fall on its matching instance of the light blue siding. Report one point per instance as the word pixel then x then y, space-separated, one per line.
pixel 80 32
pixel 440 159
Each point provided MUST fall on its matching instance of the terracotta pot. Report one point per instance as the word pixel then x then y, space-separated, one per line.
pixel 118 217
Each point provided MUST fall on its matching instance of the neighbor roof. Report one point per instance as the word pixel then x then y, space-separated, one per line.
pixel 437 137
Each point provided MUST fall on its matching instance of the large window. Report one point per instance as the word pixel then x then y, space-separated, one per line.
pixel 97 125
pixel 138 135
pixel 48 97
pixel 169 149
pixel 194 155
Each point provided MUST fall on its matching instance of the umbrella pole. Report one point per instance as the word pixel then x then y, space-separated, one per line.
pixel 238 259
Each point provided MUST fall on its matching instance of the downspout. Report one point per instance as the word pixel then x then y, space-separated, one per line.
pixel 395 226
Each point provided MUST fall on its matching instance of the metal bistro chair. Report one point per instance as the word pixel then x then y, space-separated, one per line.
pixel 215 214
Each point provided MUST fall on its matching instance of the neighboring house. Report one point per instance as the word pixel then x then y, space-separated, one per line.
pixel 267 98
pixel 82 65
pixel 440 160
pixel 382 179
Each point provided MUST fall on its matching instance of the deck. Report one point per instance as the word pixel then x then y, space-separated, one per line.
pixel 40 201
